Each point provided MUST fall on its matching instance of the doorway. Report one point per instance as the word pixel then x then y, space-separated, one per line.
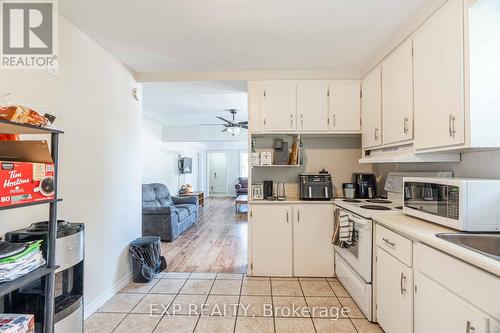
pixel 217 174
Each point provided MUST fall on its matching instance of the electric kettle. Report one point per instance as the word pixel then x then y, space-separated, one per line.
pixel 280 191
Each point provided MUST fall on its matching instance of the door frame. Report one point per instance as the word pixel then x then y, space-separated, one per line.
pixel 209 153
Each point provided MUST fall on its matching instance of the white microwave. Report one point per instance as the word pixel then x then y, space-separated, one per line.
pixel 462 204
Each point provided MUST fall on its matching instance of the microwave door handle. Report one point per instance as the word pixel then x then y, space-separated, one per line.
pixel 310 192
pixel 326 191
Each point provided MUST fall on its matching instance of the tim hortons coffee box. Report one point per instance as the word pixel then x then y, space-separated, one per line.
pixel 29 178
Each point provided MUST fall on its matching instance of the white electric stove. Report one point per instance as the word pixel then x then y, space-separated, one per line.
pixel 354 264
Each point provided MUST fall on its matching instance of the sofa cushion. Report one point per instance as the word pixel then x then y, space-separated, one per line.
pixel 189 207
pixel 183 213
pixel 243 181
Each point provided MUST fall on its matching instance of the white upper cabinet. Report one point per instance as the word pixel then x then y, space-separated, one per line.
pixel 279 106
pixel 439 79
pixel 371 111
pixel 345 106
pixel 312 105
pixel 397 95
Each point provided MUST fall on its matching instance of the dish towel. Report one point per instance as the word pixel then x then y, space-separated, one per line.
pixel 342 230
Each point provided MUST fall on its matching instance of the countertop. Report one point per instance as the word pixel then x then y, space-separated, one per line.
pixel 425 232
pixel 291 200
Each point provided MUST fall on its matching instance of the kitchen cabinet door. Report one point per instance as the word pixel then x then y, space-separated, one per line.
pixel 394 294
pixel 397 95
pixel 312 246
pixel 271 232
pixel 279 106
pixel 312 105
pixel 345 106
pixel 439 79
pixel 371 109
pixel 438 310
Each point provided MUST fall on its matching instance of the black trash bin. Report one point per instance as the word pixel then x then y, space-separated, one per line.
pixel 146 258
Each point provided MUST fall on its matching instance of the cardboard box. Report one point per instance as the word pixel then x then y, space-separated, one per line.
pixel 26 173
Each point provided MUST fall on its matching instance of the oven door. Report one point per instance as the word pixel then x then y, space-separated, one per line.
pixel 359 254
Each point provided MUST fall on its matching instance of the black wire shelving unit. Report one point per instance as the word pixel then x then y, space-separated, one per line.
pixel 47 271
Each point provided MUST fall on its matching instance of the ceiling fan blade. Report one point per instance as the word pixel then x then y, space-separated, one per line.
pixel 211 124
pixel 224 130
pixel 243 122
pixel 244 126
pixel 227 121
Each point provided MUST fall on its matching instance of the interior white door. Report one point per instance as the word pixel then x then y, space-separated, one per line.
pixel 371 109
pixel 218 173
pixel 279 106
pixel 439 79
pixel 271 227
pixel 345 106
pixel 438 310
pixel 312 105
pixel 394 294
pixel 313 251
pixel 397 95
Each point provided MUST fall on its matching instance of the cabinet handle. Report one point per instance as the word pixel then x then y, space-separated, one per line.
pixel 451 126
pixel 334 120
pixel 405 127
pixel 469 328
pixel 301 120
pixel 298 215
pixel 291 120
pixel 388 242
pixel 376 134
pixel 403 282
pixel 287 216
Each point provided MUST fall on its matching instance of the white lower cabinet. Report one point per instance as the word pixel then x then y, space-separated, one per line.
pixel 272 240
pixel 439 310
pixel 313 252
pixel 292 240
pixel 394 294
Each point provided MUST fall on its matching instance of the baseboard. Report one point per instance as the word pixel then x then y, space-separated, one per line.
pixel 91 308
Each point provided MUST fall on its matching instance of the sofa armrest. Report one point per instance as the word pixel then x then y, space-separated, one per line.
pixel 185 200
pixel 158 210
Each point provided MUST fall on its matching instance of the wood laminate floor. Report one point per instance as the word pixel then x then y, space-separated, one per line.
pixel 217 243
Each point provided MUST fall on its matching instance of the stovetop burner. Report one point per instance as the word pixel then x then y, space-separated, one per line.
pixel 379 201
pixel 352 200
pixel 44 225
pixel 374 207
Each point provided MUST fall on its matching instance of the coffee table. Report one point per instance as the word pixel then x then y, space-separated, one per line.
pixel 240 200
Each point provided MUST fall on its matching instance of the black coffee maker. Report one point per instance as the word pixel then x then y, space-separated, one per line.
pixel 365 185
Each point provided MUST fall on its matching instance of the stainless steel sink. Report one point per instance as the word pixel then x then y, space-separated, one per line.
pixel 487 244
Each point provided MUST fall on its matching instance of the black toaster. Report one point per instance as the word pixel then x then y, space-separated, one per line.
pixel 315 186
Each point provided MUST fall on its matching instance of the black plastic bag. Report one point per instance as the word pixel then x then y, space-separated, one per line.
pixel 146 258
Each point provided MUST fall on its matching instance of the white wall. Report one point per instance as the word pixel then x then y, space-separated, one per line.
pixel 100 176
pixel 160 159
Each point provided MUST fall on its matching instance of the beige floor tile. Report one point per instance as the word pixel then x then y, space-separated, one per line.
pixel 333 325
pixel 316 288
pixel 197 287
pixel 139 288
pixel 168 286
pixel 218 305
pixel 253 325
pixel 226 287
pixel 103 322
pixel 155 304
pixel 256 278
pixel 187 305
pixel 316 279
pixel 339 289
pixel 354 311
pixel 159 275
pixel 176 324
pixel 255 306
pixel 324 307
pixel 290 307
pixel 176 275
pixel 229 276
pixel 286 288
pixel 138 323
pixel 259 287
pixel 284 278
pixel 294 325
pixel 203 276
pixel 364 326
pixel 123 303
pixel 215 325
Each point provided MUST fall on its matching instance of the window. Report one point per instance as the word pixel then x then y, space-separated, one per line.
pixel 243 164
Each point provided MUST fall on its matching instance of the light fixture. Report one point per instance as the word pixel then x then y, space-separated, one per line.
pixel 233 130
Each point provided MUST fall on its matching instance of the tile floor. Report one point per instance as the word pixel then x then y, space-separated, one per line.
pixel 210 302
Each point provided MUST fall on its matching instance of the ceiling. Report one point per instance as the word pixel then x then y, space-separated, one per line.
pixel 237 35
pixel 192 103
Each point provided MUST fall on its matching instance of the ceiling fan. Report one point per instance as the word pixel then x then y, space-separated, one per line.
pixel 232 127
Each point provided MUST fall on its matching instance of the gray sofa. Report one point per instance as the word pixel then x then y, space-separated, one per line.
pixel 242 186
pixel 164 215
